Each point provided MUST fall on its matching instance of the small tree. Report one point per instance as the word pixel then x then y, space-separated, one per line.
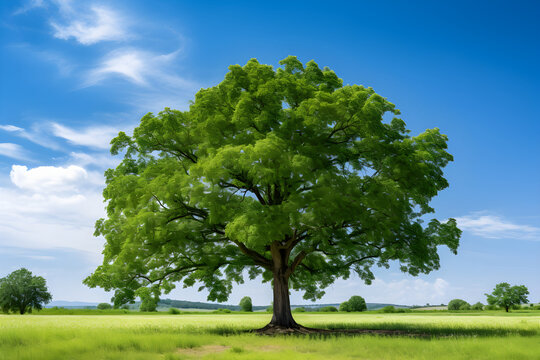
pixel 457 304
pixel 245 304
pixel 148 300
pixel 20 291
pixel 478 306
pixel 344 306
pixel 104 306
pixel 355 303
pixel 505 295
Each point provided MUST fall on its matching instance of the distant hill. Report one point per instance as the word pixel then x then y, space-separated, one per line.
pixel 164 304
pixel 72 304
pixel 184 304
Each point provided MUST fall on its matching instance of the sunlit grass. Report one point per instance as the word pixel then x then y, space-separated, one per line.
pixel 160 336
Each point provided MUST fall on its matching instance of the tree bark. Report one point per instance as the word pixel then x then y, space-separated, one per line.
pixel 282 316
pixel 506 308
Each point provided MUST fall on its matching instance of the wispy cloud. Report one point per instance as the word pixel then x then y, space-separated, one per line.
pixel 29 5
pixel 101 160
pixel 37 135
pixel 98 137
pixel 11 128
pixel 139 67
pixel 13 151
pixel 88 27
pixel 496 227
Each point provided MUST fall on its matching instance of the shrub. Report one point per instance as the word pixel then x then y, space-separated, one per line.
pixel 218 311
pixel 270 308
pixel 491 307
pixel 299 309
pixel 104 306
pixel 344 306
pixel 402 310
pixel 174 311
pixel 465 307
pixel 245 304
pixel 328 309
pixel 516 307
pixel 456 304
pixel 478 306
pixel 388 309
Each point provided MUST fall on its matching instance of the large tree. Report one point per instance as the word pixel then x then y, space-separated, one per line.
pixel 505 295
pixel 282 173
pixel 20 292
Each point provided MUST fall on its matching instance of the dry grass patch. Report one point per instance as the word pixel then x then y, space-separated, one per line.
pixel 203 350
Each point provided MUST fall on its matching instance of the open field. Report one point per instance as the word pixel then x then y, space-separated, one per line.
pixel 481 335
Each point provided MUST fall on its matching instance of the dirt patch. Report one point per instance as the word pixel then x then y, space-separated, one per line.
pixel 203 350
pixel 268 348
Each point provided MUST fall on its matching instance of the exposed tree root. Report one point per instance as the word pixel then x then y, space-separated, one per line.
pixel 272 329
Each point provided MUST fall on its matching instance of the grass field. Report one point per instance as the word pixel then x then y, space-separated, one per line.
pixel 482 335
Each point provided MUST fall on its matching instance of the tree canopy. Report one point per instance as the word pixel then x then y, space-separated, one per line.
pixel 246 304
pixel 355 303
pixel 284 173
pixel 505 295
pixel 21 292
pixel 457 304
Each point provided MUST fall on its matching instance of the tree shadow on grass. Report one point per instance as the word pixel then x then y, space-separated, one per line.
pixel 384 329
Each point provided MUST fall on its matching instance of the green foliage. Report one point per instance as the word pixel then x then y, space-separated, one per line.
pixel 174 311
pixel 457 304
pixel 104 306
pixel 344 306
pixel 270 309
pixel 478 306
pixel 20 292
pixel 357 303
pixel 272 166
pixel 328 309
pixel 222 311
pixel 491 307
pixel 506 296
pixel 149 299
pixel 245 304
pixel 388 309
pixel 465 307
pixel 299 309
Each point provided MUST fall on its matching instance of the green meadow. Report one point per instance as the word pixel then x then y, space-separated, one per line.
pixel 445 335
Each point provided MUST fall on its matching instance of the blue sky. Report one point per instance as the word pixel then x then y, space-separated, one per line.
pixel 74 73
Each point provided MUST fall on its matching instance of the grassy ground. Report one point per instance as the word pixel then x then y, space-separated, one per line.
pixel 482 335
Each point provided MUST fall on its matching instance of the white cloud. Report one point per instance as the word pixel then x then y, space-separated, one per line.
pixel 29 5
pixel 495 227
pixel 13 151
pixel 89 27
pixel 11 128
pixel 47 179
pixel 99 160
pixel 139 67
pixel 35 135
pixel 96 137
pixel 51 208
pixel 50 221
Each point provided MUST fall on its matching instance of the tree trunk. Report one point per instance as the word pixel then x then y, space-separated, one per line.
pixel 282 316
pixel 506 308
